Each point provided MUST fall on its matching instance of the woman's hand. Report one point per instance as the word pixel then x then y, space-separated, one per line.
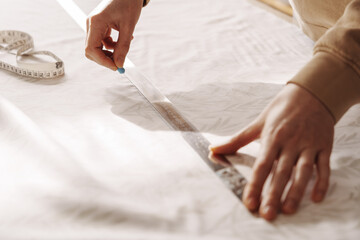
pixel 121 15
pixel 296 133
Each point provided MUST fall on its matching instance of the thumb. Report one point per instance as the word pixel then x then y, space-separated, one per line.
pixel 121 49
pixel 244 137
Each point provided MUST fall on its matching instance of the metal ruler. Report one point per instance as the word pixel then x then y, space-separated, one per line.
pixel 23 44
pixel 230 176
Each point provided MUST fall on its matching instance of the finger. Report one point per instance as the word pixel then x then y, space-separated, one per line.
pixel 108 32
pixel 247 135
pixel 323 175
pixel 261 169
pixel 122 47
pixel 271 202
pixel 108 54
pixel 303 171
pixel 109 43
pixel 94 46
pixel 219 159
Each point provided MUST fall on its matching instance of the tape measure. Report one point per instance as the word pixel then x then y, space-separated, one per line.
pixel 23 44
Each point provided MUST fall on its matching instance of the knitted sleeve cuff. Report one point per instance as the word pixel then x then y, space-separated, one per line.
pixel 332 81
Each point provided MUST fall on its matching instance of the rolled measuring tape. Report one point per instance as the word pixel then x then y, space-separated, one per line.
pixel 23 44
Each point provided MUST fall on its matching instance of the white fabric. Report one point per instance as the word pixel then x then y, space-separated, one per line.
pixel 85 157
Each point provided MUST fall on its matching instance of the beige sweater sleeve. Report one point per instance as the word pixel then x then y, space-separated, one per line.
pixel 333 74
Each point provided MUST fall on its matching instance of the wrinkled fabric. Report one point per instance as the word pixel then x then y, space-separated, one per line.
pixel 86 157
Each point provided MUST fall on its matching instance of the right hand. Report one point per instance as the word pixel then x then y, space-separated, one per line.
pixel 121 15
pixel 296 131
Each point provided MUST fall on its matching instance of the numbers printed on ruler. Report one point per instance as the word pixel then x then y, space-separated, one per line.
pixel 24 44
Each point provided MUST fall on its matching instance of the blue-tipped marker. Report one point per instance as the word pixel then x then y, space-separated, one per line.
pixel 121 70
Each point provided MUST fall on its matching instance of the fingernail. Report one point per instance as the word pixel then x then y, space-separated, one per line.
pixel 218 144
pixel 251 203
pixel 212 147
pixel 269 212
pixel 290 206
pixel 121 70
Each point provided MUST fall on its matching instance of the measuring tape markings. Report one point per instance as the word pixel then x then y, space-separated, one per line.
pixel 24 44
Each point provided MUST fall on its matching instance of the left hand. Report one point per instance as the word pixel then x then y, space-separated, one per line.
pixel 120 15
pixel 296 133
